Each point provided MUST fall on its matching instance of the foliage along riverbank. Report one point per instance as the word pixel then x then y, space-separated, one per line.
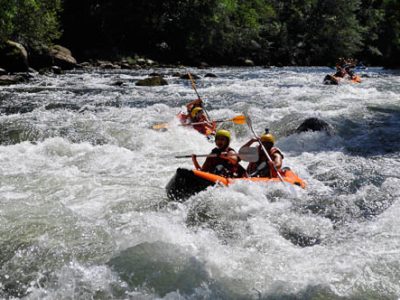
pixel 230 32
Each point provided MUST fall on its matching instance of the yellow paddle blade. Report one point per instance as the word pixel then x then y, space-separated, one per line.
pixel 241 120
pixel 160 126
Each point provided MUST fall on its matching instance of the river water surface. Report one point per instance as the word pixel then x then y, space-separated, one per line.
pixel 84 212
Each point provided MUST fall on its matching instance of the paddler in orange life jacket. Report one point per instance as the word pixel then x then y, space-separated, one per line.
pixel 196 114
pixel 225 162
pixel 268 140
pixel 345 67
pixel 206 127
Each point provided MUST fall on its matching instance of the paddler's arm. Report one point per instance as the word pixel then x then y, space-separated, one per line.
pixel 193 103
pixel 195 162
pixel 276 161
pixel 249 143
pixel 231 156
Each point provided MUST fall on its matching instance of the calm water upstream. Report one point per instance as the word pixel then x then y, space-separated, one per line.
pixel 83 210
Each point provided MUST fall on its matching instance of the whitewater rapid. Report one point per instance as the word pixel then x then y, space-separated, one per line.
pixel 84 212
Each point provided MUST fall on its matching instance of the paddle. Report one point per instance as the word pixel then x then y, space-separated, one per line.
pixel 240 120
pixel 249 154
pixel 160 126
pixel 249 123
pixel 197 93
pixel 237 120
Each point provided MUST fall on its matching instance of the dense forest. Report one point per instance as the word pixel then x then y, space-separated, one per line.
pixel 269 32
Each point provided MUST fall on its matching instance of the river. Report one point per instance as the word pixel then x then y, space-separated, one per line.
pixel 84 212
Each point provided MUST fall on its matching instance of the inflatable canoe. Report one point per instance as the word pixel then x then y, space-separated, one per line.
pixel 335 80
pixel 186 183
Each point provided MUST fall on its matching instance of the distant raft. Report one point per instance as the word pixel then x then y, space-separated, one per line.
pixel 335 80
pixel 186 183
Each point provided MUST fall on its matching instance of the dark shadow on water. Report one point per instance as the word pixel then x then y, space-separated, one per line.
pixel 373 136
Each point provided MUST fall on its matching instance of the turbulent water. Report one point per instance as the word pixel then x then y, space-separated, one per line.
pixel 84 212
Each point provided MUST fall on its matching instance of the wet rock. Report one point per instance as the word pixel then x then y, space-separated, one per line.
pixel 186 76
pixel 152 81
pixel 145 62
pixel 32 71
pixel 125 66
pixel 85 64
pixel 248 62
pixel 11 79
pixel 160 267
pixel 315 124
pixel 176 74
pixel 3 72
pixel 211 75
pixel 56 70
pixel 13 57
pixel 69 106
pixel 118 83
pixel 62 57
pixel 108 66
pixel 300 239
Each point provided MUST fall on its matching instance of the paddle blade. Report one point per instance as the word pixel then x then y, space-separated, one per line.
pixel 241 120
pixel 161 126
pixel 249 154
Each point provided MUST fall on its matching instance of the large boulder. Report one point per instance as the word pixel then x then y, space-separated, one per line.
pixel 315 124
pixel 63 57
pixel 152 81
pixel 11 79
pixel 13 57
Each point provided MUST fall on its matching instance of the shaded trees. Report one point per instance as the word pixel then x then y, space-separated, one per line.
pixel 301 32
pixel 30 22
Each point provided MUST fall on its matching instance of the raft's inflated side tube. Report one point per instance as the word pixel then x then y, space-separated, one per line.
pixel 287 175
pixel 185 184
pixel 356 79
pixel 330 79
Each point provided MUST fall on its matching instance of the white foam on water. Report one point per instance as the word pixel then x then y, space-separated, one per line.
pixel 92 185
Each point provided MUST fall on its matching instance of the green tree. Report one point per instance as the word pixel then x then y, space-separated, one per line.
pixel 30 21
pixel 390 36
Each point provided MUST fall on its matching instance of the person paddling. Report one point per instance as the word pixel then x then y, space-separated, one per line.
pixel 264 167
pixel 223 160
pixel 196 114
pixel 345 67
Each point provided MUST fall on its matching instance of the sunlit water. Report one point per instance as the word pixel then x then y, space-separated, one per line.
pixel 84 213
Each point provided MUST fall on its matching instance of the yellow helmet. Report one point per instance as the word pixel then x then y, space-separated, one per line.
pixel 195 111
pixel 223 132
pixel 267 137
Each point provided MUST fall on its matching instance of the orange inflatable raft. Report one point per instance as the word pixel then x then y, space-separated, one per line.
pixel 186 183
pixel 335 80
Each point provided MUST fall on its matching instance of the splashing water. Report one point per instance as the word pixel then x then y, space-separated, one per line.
pixel 84 213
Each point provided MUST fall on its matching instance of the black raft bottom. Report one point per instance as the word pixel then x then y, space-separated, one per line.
pixel 185 184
